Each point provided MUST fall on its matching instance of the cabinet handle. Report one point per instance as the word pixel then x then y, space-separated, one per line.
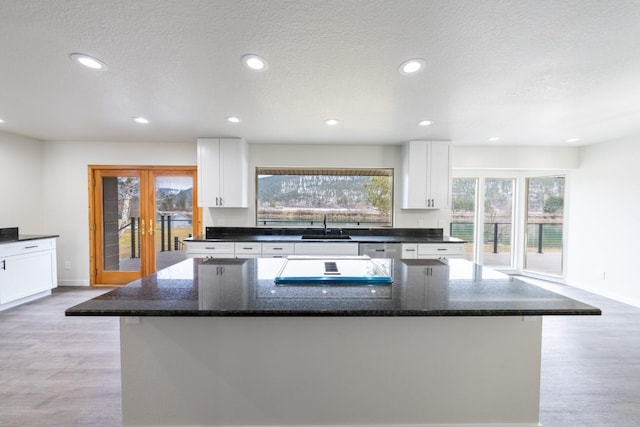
pixel 221 204
pixel 442 249
pixel 409 250
pixel 4 264
pixel 31 247
pixel 247 249
pixel 277 249
pixel 217 204
pixel 211 247
pixel 150 227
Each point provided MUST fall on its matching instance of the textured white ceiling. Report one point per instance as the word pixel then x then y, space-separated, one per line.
pixel 532 72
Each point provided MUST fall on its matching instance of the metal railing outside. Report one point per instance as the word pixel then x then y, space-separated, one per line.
pixel 541 236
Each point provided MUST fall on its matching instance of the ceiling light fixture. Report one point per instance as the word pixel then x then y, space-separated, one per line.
pixel 573 139
pixel 412 66
pixel 331 122
pixel 88 61
pixel 493 139
pixel 424 123
pixel 254 62
pixel 140 120
pixel 233 119
pixel 1 121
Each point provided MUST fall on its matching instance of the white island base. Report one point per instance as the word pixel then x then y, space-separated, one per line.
pixel 331 371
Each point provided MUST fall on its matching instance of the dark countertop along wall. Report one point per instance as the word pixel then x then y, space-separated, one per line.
pixel 358 235
pixel 245 287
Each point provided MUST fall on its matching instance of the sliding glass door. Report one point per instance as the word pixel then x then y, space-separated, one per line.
pixel 512 222
pixel 545 222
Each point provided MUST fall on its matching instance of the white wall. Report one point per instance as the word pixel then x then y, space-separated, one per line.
pixel 514 158
pixel 604 220
pixel 65 193
pixel 347 156
pixel 22 179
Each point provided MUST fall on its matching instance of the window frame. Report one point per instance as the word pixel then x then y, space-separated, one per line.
pixel 519 215
pixel 326 171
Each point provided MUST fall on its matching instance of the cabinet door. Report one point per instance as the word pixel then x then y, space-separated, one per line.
pixel 208 172
pixel 26 274
pixel 426 175
pixel 233 173
pixel 439 174
pixel 415 175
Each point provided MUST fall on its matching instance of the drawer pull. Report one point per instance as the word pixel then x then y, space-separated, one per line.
pixel 409 250
pixel 277 249
pixel 211 247
pixel 31 247
pixel 247 249
pixel 442 249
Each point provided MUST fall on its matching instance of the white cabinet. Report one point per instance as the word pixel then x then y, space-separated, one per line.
pixel 28 270
pixel 440 250
pixel 426 175
pixel 223 172
pixel 409 251
pixel 248 249
pixel 210 250
pixel 277 250
pixel 323 248
pixel 219 286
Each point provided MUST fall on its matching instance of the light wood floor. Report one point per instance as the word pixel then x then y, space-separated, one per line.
pixel 65 371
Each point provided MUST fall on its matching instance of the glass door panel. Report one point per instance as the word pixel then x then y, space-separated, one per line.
pixel 545 209
pixel 463 212
pixel 498 222
pixel 118 226
pixel 174 217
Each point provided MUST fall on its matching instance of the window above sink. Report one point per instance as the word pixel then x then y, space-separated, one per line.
pixel 302 197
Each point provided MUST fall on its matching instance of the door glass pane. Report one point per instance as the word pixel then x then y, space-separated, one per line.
pixel 463 212
pixel 120 223
pixel 174 218
pixel 545 208
pixel 498 212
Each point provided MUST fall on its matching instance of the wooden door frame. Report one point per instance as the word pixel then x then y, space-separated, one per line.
pixel 94 211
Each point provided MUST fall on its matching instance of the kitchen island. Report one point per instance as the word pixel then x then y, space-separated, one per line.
pixel 217 342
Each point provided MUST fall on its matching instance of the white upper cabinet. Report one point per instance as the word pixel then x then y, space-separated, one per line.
pixel 223 173
pixel 426 175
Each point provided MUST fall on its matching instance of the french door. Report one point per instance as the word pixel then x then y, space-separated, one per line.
pixel 138 218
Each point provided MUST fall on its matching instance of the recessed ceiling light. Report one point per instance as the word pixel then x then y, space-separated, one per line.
pixel 88 61
pixel 573 139
pixel 493 139
pixel 254 62
pixel 331 122
pixel 140 120
pixel 412 66
pixel 233 119
pixel 1 121
pixel 424 123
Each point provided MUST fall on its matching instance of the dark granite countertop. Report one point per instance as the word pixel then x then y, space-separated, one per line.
pixel 27 237
pixel 245 287
pixel 357 235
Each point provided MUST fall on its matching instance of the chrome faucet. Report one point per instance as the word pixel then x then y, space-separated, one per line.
pixel 324 223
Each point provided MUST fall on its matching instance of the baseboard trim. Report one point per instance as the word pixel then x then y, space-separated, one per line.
pixel 73 283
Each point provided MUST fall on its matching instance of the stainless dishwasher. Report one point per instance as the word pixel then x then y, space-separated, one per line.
pixel 381 250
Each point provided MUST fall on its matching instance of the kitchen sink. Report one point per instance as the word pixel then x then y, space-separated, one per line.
pixel 325 237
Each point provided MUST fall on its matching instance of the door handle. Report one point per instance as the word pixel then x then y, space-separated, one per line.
pixel 150 227
pixel 4 264
pixel 142 228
